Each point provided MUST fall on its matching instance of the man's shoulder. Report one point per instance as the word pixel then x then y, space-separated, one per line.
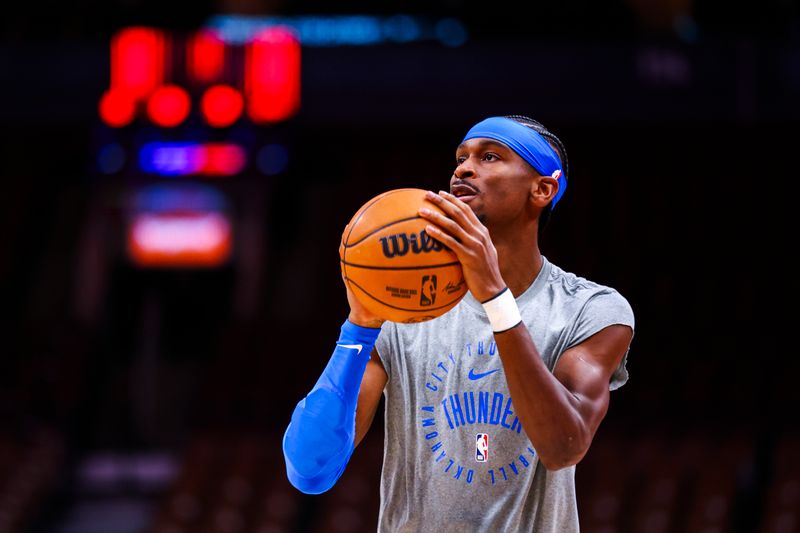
pixel 589 298
pixel 577 288
pixel 575 284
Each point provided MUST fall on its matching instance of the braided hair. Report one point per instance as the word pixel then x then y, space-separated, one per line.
pixel 560 150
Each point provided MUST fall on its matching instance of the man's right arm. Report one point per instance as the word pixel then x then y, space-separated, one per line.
pixel 333 418
pixel 322 432
pixel 369 396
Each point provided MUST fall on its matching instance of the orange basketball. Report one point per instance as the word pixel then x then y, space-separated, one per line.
pixel 395 269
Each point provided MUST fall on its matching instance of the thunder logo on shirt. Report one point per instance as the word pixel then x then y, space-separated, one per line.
pixel 482 416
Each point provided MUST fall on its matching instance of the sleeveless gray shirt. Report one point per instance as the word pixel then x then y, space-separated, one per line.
pixel 456 458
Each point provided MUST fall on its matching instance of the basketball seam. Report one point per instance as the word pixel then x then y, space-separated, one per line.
pixel 353 224
pixel 376 230
pixel 422 267
pixel 427 309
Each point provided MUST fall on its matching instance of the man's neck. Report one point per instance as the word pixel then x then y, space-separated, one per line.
pixel 519 258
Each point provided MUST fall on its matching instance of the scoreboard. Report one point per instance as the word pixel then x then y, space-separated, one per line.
pixel 185 113
pixel 181 112
pixel 163 78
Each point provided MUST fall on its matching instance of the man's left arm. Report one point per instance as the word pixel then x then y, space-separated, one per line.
pixel 560 411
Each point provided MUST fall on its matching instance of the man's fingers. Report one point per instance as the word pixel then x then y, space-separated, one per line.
pixel 442 221
pixel 449 206
pixel 445 238
pixel 458 211
pixel 461 206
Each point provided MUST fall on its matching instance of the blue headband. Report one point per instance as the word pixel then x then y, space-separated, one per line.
pixel 527 143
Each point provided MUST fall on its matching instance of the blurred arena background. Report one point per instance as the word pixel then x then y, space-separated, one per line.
pixel 176 176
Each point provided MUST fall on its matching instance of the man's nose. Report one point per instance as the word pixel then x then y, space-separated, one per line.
pixel 464 170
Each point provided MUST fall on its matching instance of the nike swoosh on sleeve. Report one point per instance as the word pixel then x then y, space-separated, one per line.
pixel 358 347
pixel 473 376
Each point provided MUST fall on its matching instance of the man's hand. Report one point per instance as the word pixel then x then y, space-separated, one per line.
pixel 468 238
pixel 359 315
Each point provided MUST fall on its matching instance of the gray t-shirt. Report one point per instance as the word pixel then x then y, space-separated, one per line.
pixel 455 456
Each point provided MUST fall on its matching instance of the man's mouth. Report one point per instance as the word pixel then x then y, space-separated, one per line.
pixel 463 192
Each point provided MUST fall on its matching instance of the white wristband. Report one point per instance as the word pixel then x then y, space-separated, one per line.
pixel 502 311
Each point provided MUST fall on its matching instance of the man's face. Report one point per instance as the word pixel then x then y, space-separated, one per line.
pixel 493 180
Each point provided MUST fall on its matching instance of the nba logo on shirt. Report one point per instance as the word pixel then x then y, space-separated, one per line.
pixel 482 448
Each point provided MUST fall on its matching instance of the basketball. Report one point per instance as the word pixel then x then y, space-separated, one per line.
pixel 394 268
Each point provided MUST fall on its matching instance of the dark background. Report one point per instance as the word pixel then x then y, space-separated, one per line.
pixel 135 400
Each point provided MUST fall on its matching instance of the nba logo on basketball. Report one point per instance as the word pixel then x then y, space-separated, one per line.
pixel 482 448
pixel 427 295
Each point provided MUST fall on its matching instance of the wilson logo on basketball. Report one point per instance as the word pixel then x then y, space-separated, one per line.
pixel 401 243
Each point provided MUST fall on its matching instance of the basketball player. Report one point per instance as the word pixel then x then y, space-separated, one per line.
pixel 490 406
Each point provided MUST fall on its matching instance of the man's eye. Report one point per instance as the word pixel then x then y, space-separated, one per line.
pixel 490 157
pixel 460 160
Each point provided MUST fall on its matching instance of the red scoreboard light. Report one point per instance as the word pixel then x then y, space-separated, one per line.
pixel 137 70
pixel 137 61
pixel 169 106
pixel 222 105
pixel 150 77
pixel 206 57
pixel 117 108
pixel 272 75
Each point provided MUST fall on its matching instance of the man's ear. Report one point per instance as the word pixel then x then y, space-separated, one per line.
pixel 543 190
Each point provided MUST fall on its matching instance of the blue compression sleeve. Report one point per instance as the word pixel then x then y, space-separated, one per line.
pixel 321 436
